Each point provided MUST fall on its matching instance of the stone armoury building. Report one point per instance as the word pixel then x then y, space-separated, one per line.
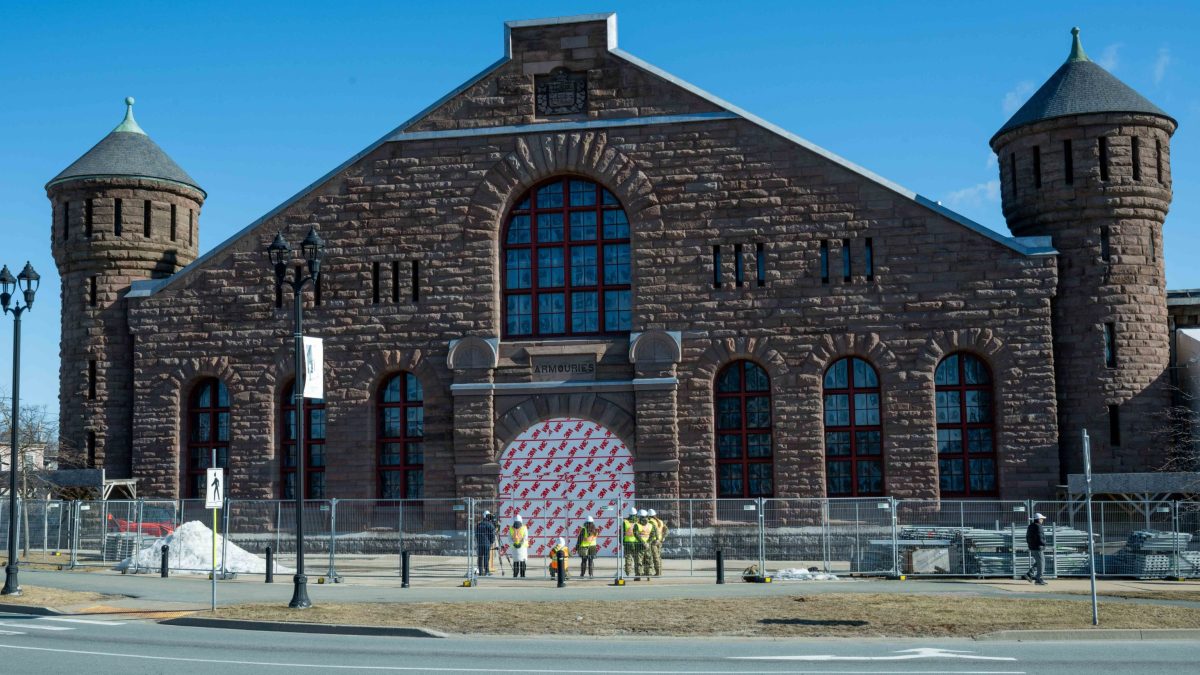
pixel 575 254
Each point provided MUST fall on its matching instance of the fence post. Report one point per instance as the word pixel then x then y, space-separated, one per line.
pixel 472 559
pixel 762 537
pixel 137 539
pixel 691 540
pixel 1175 537
pixel 1012 547
pixel 1054 549
pixel 333 575
pixel 620 580
pixel 225 536
pixel 893 507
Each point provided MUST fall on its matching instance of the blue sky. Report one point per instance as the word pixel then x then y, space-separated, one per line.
pixel 257 99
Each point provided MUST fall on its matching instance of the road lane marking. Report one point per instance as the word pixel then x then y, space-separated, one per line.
pixel 11 632
pixel 87 621
pixel 902 655
pixel 34 626
pixel 326 666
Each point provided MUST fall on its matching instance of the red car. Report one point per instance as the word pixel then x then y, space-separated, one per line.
pixel 156 522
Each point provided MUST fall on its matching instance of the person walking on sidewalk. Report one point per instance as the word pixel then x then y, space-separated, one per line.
pixel 629 540
pixel 585 545
pixel 656 546
pixel 1035 536
pixel 485 539
pixel 518 534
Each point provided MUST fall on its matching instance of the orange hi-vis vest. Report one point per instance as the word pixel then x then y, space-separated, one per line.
pixel 518 535
pixel 644 531
pixel 627 527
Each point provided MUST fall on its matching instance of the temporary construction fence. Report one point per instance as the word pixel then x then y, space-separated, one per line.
pixel 869 536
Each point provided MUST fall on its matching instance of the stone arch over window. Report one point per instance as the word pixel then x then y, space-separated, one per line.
pixel 314 445
pixel 588 406
pixel 565 262
pixel 745 444
pixel 400 437
pixel 176 388
pixel 853 425
pixel 966 427
pixel 208 419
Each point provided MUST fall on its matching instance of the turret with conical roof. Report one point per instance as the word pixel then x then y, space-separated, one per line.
pixel 1086 161
pixel 122 212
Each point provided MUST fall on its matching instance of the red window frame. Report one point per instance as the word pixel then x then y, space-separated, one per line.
pixel 404 404
pixel 199 453
pixel 964 427
pixel 287 441
pixel 527 205
pixel 744 431
pixel 851 389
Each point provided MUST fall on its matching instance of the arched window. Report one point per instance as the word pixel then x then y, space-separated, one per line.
pixel 208 434
pixel 401 437
pixel 566 262
pixel 966 428
pixel 853 433
pixel 314 446
pixel 744 463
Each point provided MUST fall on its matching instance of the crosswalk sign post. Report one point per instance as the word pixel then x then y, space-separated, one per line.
pixel 214 496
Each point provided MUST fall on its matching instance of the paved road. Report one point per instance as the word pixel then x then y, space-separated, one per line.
pixel 53 645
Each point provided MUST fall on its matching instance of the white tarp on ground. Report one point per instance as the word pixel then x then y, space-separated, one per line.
pixel 795 574
pixel 191 547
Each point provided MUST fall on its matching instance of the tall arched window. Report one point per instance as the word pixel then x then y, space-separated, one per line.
pixel 853 432
pixel 208 434
pixel 401 437
pixel 744 458
pixel 966 428
pixel 566 262
pixel 314 446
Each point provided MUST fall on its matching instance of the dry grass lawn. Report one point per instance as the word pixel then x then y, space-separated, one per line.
pixel 819 615
pixel 1189 596
pixel 38 596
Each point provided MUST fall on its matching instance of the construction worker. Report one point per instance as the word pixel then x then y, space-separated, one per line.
pixel 559 545
pixel 485 538
pixel 656 547
pixel 643 533
pixel 518 534
pixel 585 545
pixel 629 541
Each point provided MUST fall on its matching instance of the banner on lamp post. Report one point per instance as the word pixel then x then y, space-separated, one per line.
pixel 314 368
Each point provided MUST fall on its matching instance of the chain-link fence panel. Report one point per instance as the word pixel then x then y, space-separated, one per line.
pixel 794 536
pixel 1187 517
pixel 859 535
pixel 44 531
pixel 959 537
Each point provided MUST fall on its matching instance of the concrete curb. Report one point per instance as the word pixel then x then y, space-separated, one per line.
pixel 296 627
pixel 1092 634
pixel 28 609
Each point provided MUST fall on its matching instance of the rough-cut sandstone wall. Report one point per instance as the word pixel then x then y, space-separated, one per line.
pixel 1127 290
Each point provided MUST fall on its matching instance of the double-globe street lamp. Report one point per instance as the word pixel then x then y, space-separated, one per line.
pixel 28 280
pixel 311 250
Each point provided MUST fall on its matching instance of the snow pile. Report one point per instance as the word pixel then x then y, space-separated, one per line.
pixel 795 574
pixel 191 547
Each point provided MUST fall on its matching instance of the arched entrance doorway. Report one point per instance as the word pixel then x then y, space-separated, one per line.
pixel 558 472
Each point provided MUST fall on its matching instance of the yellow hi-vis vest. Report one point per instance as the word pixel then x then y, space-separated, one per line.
pixel 660 526
pixel 644 531
pixel 518 535
pixel 628 526
pixel 587 540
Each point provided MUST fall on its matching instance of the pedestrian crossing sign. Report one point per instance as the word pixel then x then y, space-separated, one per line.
pixel 214 489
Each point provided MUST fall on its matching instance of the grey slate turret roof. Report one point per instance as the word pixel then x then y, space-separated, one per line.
pixel 127 152
pixel 1080 87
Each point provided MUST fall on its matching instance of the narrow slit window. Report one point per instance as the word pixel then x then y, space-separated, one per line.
pixel 1037 166
pixel 1105 245
pixel 1068 163
pixel 716 265
pixel 846 264
pixel 147 218
pixel 66 220
pixel 1012 172
pixel 416 281
pixel 118 219
pixel 92 380
pixel 191 227
pixel 739 266
pixel 91 448
pixel 1103 158
pixel 1153 246
pixel 1135 156
pixel 1110 345
pixel 869 259
pixel 824 261
pixel 174 223
pixel 760 264
pixel 396 281
pixel 278 296
pixel 89 207
pixel 92 291
pixel 1158 160
pixel 375 283
pixel 1114 425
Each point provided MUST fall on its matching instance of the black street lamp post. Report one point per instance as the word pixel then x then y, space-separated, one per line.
pixel 28 280
pixel 312 249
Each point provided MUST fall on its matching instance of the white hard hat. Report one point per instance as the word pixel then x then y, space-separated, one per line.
pixel 562 542
pixel 642 513
pixel 590 519
pixel 1038 516
pixel 652 512
pixel 518 518
pixel 632 511
pixel 486 514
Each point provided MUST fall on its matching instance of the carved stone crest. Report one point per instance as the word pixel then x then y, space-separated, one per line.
pixel 562 92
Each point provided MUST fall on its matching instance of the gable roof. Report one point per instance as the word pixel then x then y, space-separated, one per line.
pixel 1080 87
pixel 1030 246
pixel 126 152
